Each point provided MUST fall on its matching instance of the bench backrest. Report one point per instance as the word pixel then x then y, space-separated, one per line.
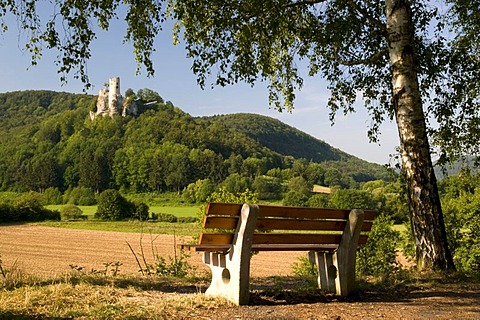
pixel 277 227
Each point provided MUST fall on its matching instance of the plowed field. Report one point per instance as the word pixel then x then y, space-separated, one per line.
pixel 50 251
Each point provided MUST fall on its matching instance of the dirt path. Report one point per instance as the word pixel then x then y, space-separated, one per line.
pixel 50 251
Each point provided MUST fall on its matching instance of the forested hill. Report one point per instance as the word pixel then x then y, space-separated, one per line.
pixel 282 138
pixel 47 139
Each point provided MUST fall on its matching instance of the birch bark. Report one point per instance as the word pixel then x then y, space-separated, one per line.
pixel 424 202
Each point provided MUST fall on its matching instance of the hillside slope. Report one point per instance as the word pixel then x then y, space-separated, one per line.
pixel 48 140
pixel 282 138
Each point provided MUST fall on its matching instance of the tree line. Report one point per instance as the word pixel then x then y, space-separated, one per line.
pixel 48 141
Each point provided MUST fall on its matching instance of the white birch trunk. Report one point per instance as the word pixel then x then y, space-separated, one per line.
pixel 424 203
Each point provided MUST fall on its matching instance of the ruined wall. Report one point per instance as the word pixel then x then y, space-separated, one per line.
pixel 110 101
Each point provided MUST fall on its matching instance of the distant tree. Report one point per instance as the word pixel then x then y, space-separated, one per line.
pixel 268 187
pixel 148 95
pixel 141 211
pixel 113 206
pixel 333 177
pixel 295 198
pixel 82 196
pixel 198 191
pixel 235 183
pixel 352 198
pixel 52 196
pixel 319 201
pixel 129 93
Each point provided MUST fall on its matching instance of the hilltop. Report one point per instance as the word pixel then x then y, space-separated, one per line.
pixel 48 140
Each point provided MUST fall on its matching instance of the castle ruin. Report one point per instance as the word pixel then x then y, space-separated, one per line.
pixel 110 102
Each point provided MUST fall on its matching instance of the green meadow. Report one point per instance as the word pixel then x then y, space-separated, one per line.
pixel 178 211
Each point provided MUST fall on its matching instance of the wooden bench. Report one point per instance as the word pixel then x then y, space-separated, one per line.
pixel 232 232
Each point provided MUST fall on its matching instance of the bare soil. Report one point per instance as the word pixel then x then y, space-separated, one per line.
pixel 48 251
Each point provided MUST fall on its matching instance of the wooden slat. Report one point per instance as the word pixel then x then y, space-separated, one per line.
pixel 294 247
pixel 216 238
pixel 291 238
pixel 213 222
pixel 233 209
pixel 228 209
pixel 367 226
pixel 299 224
pixel 305 224
pixel 205 247
pixel 302 212
pixel 312 213
pixel 277 238
pixel 363 239
pixel 369 215
pixel 261 247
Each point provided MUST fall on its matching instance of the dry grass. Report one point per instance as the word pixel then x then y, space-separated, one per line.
pixel 93 301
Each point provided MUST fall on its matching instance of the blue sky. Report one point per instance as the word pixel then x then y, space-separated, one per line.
pixel 174 81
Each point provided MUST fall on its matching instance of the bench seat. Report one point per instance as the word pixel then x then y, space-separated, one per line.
pixel 231 232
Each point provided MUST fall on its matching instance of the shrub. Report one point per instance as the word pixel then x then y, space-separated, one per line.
pixel 53 196
pixel 318 201
pixel 177 266
pixel 71 211
pixel 141 211
pixel 303 268
pixel 198 191
pixel 463 230
pixel 223 195
pixel 187 219
pixel 378 256
pixel 29 200
pixel 166 217
pixel 8 213
pixel 80 196
pixel 113 206
pixel 295 198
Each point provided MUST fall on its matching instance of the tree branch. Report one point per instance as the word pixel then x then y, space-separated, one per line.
pixel 304 2
pixel 372 59
pixel 367 15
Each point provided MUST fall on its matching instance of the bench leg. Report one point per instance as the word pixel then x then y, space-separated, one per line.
pixel 336 271
pixel 327 271
pixel 231 270
pixel 230 279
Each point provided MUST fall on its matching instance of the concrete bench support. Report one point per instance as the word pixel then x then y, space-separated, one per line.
pixel 336 270
pixel 231 270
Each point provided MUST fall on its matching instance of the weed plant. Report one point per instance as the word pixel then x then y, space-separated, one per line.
pixel 176 266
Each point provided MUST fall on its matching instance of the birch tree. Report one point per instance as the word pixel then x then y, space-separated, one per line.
pixel 394 53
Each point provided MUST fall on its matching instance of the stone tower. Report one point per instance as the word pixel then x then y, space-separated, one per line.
pixel 114 97
pixel 110 102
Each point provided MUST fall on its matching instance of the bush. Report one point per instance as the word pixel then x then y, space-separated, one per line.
pixel 141 211
pixel 318 201
pixel 81 196
pixel 71 211
pixel 463 230
pixel 53 196
pixel 187 219
pixel 303 268
pixel 8 213
pixel 295 198
pixel 198 192
pixel 113 206
pixel 378 257
pixel 30 200
pixel 166 217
